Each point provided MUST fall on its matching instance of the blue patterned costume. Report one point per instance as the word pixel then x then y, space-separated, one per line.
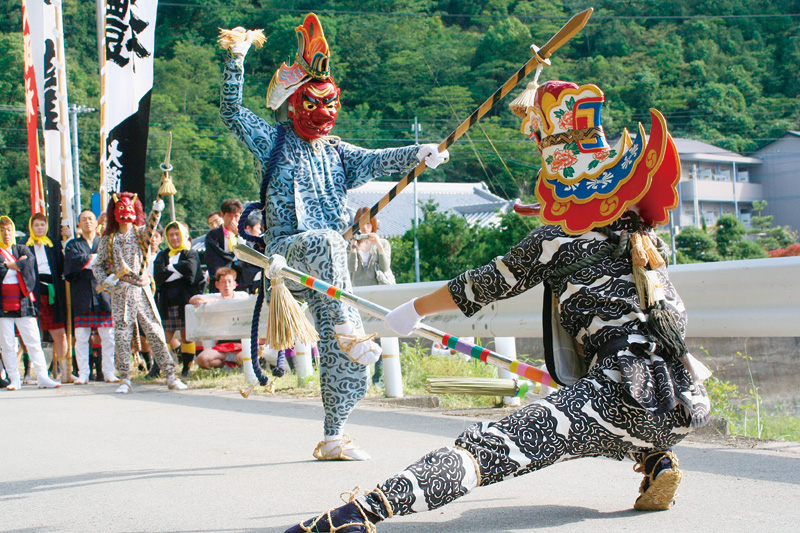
pixel 304 218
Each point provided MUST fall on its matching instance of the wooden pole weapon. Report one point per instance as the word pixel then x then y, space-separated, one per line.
pixel 540 57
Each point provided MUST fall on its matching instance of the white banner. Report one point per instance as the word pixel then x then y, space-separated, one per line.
pixel 127 77
pixel 47 47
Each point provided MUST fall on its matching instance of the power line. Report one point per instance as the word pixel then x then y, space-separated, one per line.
pixel 334 12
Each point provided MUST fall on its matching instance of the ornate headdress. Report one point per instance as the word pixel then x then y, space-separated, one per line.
pixel 312 62
pixel 584 183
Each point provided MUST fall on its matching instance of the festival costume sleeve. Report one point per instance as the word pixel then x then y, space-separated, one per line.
pixel 524 266
pixel 160 272
pixel 248 127
pixel 188 265
pixel 362 165
pixel 385 258
pixel 27 266
pixel 102 264
pixel 216 256
pixel 76 257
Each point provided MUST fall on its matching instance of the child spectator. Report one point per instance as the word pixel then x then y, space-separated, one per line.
pixel 225 352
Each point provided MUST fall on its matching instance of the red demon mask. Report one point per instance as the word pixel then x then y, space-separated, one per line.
pixel 125 210
pixel 314 108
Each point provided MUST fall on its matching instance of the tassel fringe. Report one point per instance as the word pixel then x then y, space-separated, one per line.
pixel 228 38
pixel 286 322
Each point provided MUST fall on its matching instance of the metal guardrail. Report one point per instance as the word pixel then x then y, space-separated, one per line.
pixel 752 298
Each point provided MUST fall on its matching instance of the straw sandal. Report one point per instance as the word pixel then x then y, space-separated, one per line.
pixel 343 449
pixel 349 518
pixel 659 486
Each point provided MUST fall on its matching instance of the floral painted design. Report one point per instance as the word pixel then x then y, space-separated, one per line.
pixel 563 159
pixel 565 121
pixel 601 156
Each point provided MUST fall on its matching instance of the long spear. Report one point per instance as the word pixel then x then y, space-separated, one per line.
pixel 540 57
pixel 245 253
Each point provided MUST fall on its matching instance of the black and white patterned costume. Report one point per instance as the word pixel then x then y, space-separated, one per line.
pixel 132 298
pixel 635 398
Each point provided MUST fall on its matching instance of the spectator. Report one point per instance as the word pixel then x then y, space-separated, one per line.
pixel 370 263
pixel 370 257
pixel 214 220
pixel 220 241
pixel 91 309
pixel 178 277
pixel 19 283
pixel 250 274
pixel 225 352
pixel 51 290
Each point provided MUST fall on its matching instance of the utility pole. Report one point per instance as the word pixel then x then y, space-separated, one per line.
pixel 75 110
pixel 416 128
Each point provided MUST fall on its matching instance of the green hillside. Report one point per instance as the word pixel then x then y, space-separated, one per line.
pixel 722 71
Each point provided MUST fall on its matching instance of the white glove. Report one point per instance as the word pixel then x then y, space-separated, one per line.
pixel 432 156
pixel 111 280
pixel 241 48
pixel 158 205
pixel 277 262
pixel 404 319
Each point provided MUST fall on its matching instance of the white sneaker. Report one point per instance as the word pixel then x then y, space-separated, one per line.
pixel 124 387
pixel 341 449
pixel 174 383
pixel 44 382
pixel 356 344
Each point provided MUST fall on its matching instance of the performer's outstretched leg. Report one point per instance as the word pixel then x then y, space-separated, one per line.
pixel 594 417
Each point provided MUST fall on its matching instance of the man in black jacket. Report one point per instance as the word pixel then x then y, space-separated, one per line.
pixel 90 309
pixel 220 241
pixel 19 282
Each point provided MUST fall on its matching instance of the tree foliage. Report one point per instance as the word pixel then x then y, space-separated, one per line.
pixel 727 81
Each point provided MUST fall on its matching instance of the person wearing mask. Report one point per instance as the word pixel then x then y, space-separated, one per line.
pixel 121 268
pixel 220 241
pixel 178 277
pixel 90 309
pixel 614 325
pixel 18 309
pixel 306 173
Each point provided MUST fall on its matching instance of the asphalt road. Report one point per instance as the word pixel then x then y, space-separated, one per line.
pixel 84 459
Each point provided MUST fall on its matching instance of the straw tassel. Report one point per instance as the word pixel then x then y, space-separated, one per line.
pixel 167 188
pixel 479 386
pixel 527 98
pixel 286 322
pixel 228 38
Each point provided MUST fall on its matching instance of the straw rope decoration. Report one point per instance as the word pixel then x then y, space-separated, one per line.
pixel 532 373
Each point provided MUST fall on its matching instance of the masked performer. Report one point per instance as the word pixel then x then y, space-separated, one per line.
pixel 19 284
pixel 121 266
pixel 610 311
pixel 178 277
pixel 305 174
pixel 91 309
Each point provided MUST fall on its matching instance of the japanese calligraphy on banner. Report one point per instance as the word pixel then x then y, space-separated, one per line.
pixel 47 52
pixel 127 81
